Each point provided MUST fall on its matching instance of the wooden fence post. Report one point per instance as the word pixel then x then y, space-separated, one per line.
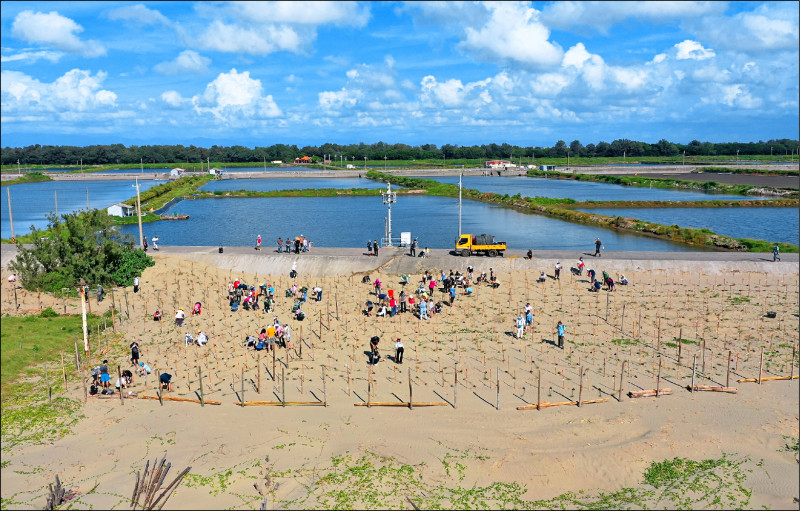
pixel 498 388
pixel 580 387
pixel 658 378
pixel 410 392
pixel 694 370
pixel 119 377
pixel 202 392
pixel 324 388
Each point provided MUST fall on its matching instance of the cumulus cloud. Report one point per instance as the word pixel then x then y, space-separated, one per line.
pixel 54 30
pixel 235 98
pixel 188 61
pixel 512 32
pixel 233 38
pixel 173 98
pixel 76 91
pixel 260 28
pixel 771 26
pixel 138 13
pixel 692 50
pixel 336 100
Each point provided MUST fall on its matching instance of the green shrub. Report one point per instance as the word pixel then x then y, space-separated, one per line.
pixel 131 264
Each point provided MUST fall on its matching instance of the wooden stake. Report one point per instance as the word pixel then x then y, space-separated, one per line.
pixel 580 387
pixel 283 387
pixel 498 388
pixel 202 390
pixel 761 366
pixel 259 373
pixel 658 378
pixel 119 376
pixel 694 369
pixel 410 392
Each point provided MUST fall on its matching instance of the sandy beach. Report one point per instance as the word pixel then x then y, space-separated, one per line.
pixel 466 358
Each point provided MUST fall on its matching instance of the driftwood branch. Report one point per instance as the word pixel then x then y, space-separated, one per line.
pixel 149 483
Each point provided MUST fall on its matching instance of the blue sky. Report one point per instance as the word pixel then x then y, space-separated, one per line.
pixel 527 73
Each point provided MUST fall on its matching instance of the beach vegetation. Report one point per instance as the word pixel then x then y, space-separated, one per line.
pixel 80 247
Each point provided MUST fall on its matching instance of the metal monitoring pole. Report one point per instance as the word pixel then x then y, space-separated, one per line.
pixel 139 213
pixel 389 197
pixel 459 203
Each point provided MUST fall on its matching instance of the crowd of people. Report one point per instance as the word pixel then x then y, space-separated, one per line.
pixel 291 245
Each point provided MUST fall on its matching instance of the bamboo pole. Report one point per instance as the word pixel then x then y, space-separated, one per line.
pixel 761 366
pixel 546 404
pixel 180 399
pixel 283 386
pixel 401 404
pixel 767 378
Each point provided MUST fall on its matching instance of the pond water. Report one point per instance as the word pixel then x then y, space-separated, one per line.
pixel 31 202
pixel 770 224
pixel 351 221
pixel 267 185
pixel 578 190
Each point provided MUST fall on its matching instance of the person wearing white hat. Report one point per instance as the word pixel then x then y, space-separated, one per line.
pixel 258 242
pixel 558 270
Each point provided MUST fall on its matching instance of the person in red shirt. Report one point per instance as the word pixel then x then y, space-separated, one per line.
pixel 393 306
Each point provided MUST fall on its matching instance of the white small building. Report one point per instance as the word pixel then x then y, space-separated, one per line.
pixel 547 168
pixel 277 162
pixel 120 210
pixel 498 164
pixel 175 173
pixel 215 171
pixel 350 166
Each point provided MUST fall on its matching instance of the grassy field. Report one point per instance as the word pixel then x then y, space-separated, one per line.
pixel 29 341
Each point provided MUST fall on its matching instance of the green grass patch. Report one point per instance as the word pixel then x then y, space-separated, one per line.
pixel 625 342
pixel 684 341
pixel 738 300
pixel 28 177
pixel 28 341
pixel 671 344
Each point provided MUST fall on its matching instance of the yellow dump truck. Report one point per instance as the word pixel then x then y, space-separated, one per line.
pixel 468 244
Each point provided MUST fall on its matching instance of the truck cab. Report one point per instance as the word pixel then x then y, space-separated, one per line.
pixel 468 244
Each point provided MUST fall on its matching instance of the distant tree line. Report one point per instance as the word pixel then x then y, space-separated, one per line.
pixel 118 153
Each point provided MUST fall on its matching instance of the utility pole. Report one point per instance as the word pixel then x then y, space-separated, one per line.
pixel 139 212
pixel 56 193
pixel 83 321
pixel 459 203
pixel 10 216
pixel 87 199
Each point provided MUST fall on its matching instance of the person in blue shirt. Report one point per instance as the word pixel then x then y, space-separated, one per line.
pixel 423 309
pixel 452 295
pixel 775 250
pixel 561 328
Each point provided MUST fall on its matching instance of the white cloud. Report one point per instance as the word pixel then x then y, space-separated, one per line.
pixel 188 61
pixel 235 98
pixel 77 91
pixel 138 13
pixel 693 50
pixel 173 98
pixel 31 56
pixel 54 30
pixel 737 95
pixel 603 15
pixel 351 14
pixel 237 39
pixel 512 32
pixel 336 100
pixel 771 26
pixel 260 28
